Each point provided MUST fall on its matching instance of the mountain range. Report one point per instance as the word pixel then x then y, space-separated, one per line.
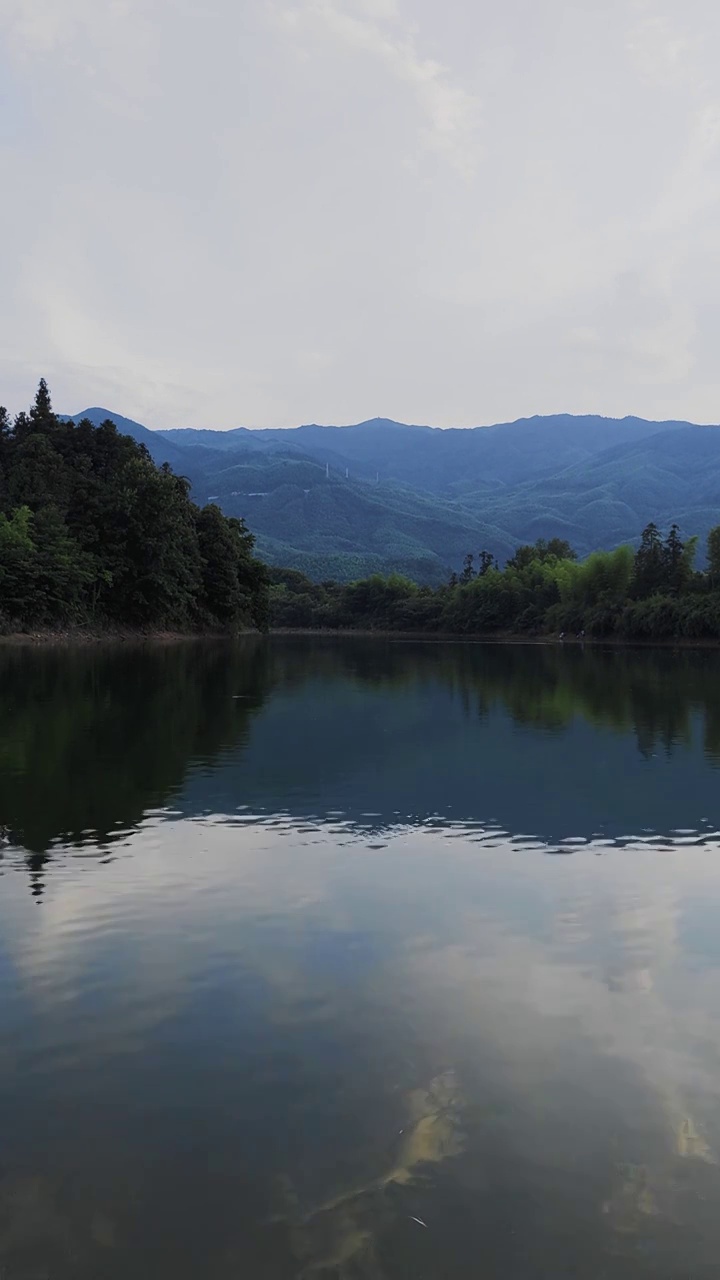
pixel 346 501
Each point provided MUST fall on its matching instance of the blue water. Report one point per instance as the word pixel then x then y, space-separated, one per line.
pixel 302 941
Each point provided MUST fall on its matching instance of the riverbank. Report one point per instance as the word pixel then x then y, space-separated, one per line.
pixel 514 638
pixel 84 637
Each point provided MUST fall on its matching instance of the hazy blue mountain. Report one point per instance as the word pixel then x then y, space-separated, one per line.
pixel 444 461
pixel 606 500
pixel 381 495
pixel 205 438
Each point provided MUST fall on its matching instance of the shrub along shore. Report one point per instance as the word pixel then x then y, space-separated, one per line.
pixel 652 594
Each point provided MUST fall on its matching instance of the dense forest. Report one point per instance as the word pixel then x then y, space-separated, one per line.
pixel 93 533
pixel 654 593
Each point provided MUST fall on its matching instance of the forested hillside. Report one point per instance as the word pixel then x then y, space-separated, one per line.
pixel 94 533
pixel 340 502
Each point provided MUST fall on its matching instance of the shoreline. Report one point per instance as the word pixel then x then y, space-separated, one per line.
pixel 85 638
pixel 508 638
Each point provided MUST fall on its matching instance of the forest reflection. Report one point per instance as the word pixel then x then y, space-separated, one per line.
pixel 94 739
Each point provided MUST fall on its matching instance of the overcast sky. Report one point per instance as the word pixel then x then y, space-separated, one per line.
pixel 267 212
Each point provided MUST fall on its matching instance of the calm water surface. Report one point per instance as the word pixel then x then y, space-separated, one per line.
pixel 359 960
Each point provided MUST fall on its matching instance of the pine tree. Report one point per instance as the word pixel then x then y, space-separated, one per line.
pixel 674 558
pixel 649 575
pixel 713 555
pixel 42 410
pixel 468 569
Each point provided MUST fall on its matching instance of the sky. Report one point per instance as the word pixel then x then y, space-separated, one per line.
pixel 266 212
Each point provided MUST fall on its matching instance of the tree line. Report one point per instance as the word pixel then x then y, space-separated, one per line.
pixel 654 593
pixel 93 533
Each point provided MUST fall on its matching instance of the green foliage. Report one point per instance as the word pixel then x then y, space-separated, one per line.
pixel 542 552
pixel 468 571
pixel 713 555
pixel 653 594
pixel 649 570
pixel 92 532
pixel 663 567
pixel 17 560
pixel 348 566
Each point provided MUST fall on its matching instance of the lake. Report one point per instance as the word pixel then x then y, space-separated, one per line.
pixel 359 960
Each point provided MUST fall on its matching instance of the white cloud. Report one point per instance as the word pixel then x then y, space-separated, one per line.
pixel 607 975
pixel 661 52
pixel 319 210
pixel 108 48
pixel 642 330
pixel 452 114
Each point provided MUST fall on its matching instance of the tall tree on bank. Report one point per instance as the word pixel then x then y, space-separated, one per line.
pixel 650 563
pixel 713 555
pixel 674 557
pixel 93 532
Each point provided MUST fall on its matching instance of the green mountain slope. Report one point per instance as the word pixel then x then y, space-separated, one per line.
pixel 606 500
pixel 341 501
pixel 291 503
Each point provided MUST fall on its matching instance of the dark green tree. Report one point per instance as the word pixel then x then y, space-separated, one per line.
pixel 713 556
pixel 42 410
pixel 18 557
pixel 559 549
pixel 541 552
pixel 649 573
pixel 468 569
pixel 221 597
pixel 61 572
pixel 674 557
pixel 91 530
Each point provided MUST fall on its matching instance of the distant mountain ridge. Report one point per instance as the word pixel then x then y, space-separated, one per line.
pixel 380 495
